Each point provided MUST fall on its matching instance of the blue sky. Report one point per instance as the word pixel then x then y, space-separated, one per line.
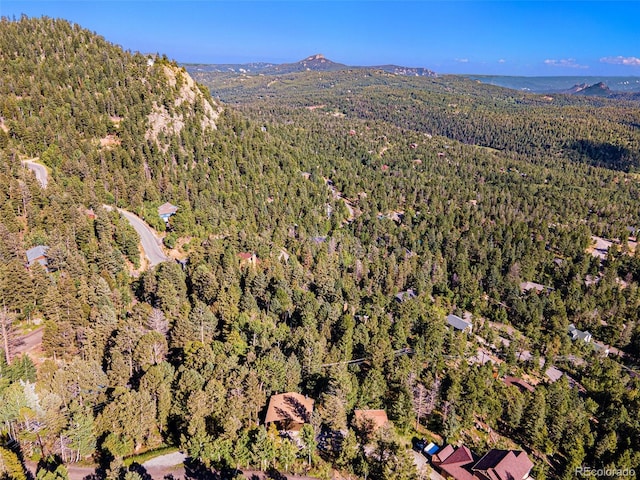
pixel 465 36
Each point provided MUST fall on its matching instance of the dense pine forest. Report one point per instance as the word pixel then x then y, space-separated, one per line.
pixel 327 225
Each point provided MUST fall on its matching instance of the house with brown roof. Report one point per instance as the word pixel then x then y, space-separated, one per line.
pixel 248 258
pixel 503 465
pixel 518 383
pixel 377 418
pixel 289 411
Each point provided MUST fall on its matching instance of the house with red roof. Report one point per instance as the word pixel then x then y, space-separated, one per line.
pixel 248 258
pixel 458 464
pixel 503 465
pixel 462 464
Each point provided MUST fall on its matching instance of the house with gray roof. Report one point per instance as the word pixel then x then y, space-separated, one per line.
pixel 166 210
pixel 576 334
pixel 459 324
pixel 37 254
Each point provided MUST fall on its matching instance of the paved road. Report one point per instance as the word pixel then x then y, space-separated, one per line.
pixel 150 243
pixel 29 342
pixel 40 170
pixel 422 466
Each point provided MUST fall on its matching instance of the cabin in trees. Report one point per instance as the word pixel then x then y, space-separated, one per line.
pixel 459 324
pixel 519 384
pixel 248 258
pixel 166 210
pixel 455 462
pixel 406 295
pixel 537 287
pixel 375 418
pixel 289 411
pixel 38 254
pixel 576 334
pixel 462 464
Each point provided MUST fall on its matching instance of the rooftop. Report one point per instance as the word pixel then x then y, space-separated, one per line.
pixel 503 465
pixel 289 408
pixel 518 382
pixel 458 464
pixel 377 417
pixel 167 209
pixel 37 253
pixel 458 323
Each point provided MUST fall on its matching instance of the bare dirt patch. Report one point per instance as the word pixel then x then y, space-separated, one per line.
pixel 109 141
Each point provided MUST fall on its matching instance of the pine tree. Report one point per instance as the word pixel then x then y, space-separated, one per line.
pixel 10 466
pixel 7 333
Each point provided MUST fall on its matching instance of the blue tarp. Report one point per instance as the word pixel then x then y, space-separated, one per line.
pixel 431 448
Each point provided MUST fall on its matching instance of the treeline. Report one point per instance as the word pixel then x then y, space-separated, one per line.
pixel 594 131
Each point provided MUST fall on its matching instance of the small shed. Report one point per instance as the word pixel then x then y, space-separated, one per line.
pixel 431 449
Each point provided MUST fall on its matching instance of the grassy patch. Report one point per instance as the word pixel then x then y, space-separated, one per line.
pixel 143 457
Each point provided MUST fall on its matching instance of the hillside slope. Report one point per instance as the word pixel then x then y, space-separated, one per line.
pixel 95 108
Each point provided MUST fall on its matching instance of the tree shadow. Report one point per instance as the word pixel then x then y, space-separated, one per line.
pixel 606 155
pixel 196 470
pixel 140 470
pixel 275 474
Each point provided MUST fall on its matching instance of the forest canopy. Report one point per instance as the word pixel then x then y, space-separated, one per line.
pixel 327 225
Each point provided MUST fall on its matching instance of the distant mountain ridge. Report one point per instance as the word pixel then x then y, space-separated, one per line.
pixel 627 87
pixel 317 62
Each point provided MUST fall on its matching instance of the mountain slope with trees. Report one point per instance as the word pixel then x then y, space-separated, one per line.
pixel 305 208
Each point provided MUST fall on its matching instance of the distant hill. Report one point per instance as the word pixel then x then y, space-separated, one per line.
pixel 317 63
pixel 599 89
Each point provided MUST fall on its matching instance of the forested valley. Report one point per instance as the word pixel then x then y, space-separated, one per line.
pixel 327 225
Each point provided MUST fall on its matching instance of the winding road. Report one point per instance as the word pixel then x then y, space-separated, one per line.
pixel 40 171
pixel 151 244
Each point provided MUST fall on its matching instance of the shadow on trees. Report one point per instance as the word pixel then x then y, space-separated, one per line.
pixel 196 470
pixel 140 470
pixel 275 474
pixel 604 155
